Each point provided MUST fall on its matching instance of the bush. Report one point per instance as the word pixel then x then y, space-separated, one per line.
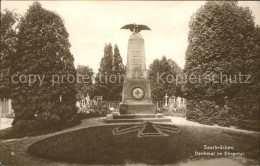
pixel 26 126
pixel 223 40
pixel 207 112
pixel 84 115
pixel 48 105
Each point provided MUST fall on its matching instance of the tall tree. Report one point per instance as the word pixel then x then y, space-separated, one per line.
pixel 110 76
pixel 162 75
pixel 118 66
pixel 119 72
pixel 102 83
pixel 43 51
pixel 221 44
pixel 249 94
pixel 9 25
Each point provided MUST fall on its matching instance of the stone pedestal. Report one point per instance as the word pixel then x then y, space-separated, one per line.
pixel 136 97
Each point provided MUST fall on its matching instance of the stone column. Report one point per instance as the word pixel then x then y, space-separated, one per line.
pixel 136 65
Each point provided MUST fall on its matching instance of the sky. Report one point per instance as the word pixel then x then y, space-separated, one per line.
pixel 92 24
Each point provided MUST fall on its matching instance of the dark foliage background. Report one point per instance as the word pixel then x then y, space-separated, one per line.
pixel 223 39
pixel 43 49
pixel 9 26
pixel 109 80
pixel 84 84
pixel 165 69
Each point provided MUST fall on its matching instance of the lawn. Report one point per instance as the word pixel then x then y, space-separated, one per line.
pixel 11 133
pixel 98 145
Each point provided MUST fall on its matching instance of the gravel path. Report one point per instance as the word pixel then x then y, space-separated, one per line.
pixel 5 123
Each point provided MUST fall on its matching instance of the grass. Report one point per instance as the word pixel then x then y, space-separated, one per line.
pixel 11 133
pixel 251 125
pixel 97 145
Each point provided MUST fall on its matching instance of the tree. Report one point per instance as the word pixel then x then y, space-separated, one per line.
pixel 118 66
pixel 85 84
pixel 118 71
pixel 102 84
pixel 43 51
pixel 221 45
pixel 109 80
pixel 162 75
pixel 9 25
pixel 248 96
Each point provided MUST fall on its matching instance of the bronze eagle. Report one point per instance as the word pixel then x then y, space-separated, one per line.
pixel 136 27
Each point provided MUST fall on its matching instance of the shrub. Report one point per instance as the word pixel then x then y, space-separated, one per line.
pixel 207 112
pixel 84 115
pixel 43 49
pixel 26 125
pixel 223 41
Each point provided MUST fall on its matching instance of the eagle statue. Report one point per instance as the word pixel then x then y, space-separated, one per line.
pixel 136 27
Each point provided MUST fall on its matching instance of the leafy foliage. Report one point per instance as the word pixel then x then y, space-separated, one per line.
pixel 109 80
pixel 118 71
pixel 207 112
pixel 9 25
pixel 43 50
pixel 222 41
pixel 84 83
pixel 162 74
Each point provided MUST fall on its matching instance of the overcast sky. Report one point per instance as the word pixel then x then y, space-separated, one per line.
pixel 92 24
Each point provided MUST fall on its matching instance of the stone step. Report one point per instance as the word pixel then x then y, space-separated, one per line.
pixel 158 120
pixel 135 116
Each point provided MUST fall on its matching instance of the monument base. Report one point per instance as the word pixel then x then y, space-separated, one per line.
pixel 136 98
pixel 137 108
pixel 117 117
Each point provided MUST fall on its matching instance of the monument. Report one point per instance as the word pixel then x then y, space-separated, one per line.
pixel 136 97
pixel 136 102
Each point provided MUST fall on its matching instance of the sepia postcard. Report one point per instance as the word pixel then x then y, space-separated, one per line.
pixel 115 82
